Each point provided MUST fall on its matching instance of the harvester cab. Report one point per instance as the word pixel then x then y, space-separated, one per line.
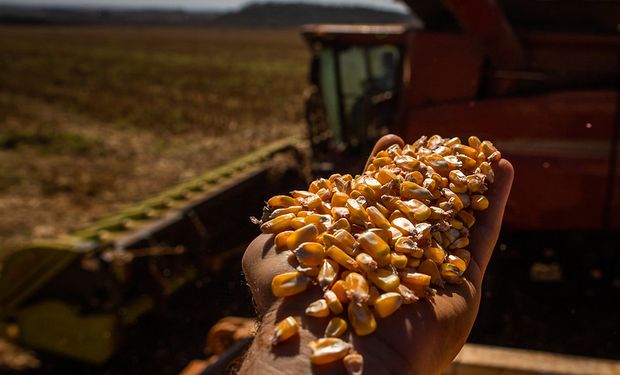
pixel 355 73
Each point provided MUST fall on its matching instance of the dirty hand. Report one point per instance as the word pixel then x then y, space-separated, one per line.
pixel 420 338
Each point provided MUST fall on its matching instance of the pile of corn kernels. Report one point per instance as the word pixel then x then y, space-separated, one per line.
pixel 379 240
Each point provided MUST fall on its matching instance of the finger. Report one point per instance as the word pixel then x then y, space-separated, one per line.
pixel 489 222
pixel 383 143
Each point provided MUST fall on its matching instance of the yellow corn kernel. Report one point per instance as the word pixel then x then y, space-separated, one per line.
pixel 277 224
pixel 345 241
pixel 418 210
pixel 457 177
pixel 435 253
pixel 407 163
pixel 377 218
pixel 395 215
pixel 430 268
pixel 474 142
pixel 411 190
pixel 322 222
pixel 453 198
pixel 318 309
pixel 355 194
pixel 413 262
pixel 475 183
pixel 382 154
pixel 495 156
pixel 327 273
pixel 284 330
pixel 457 262
pixel 339 199
pixel 452 141
pixel 328 350
pixel 407 294
pixel 479 202
pixel 286 210
pixel 342 223
pixel 406 245
pixel 302 194
pixel 387 304
pixel 487 148
pixel 465 150
pixel 310 254
pixel 336 327
pixel 459 243
pixel 455 223
pixel 457 188
pixel 365 262
pixel 463 254
pixel 451 273
pixel 405 226
pixel 382 161
pixel 318 184
pixel 373 294
pixel 307 233
pixel 354 364
pixel 415 280
pixel 280 239
pixel 282 201
pixel 334 304
pixel 361 319
pixel 398 260
pixel 289 283
pixel 467 217
pixel 385 176
pixel 385 235
pixel 384 279
pixel 487 171
pixel 396 234
pixel 468 163
pixel 342 258
pixel 374 245
pixel 357 213
pixel 356 287
pixel 298 222
pixel 340 289
pixel 340 213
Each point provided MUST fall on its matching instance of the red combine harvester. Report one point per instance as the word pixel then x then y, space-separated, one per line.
pixel 538 78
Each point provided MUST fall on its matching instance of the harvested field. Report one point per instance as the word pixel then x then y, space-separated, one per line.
pixel 94 119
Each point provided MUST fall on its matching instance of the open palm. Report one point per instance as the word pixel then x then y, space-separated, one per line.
pixel 420 338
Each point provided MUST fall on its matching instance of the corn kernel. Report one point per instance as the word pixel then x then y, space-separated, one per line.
pixel 289 283
pixel 411 190
pixel 307 233
pixel 398 260
pixel 336 327
pixel 405 226
pixel 377 218
pixel 277 224
pixel 282 201
pixel 374 245
pixel 387 304
pixel 429 267
pixel 334 304
pixel 342 258
pixel 340 289
pixel 310 254
pixel 361 319
pixel 384 279
pixel 354 364
pixel 327 350
pixel 365 262
pixel 479 202
pixel 280 239
pixel 356 287
pixel 327 273
pixel 284 330
pixel 318 309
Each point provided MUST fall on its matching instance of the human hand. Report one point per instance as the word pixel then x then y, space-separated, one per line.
pixel 420 338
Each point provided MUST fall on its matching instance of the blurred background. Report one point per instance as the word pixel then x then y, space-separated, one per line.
pixel 137 137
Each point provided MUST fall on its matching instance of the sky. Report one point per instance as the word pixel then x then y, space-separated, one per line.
pixel 195 4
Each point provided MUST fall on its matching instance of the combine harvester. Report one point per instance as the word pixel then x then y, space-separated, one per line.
pixel 539 78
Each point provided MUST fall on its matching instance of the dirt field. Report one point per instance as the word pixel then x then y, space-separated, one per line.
pixel 93 119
